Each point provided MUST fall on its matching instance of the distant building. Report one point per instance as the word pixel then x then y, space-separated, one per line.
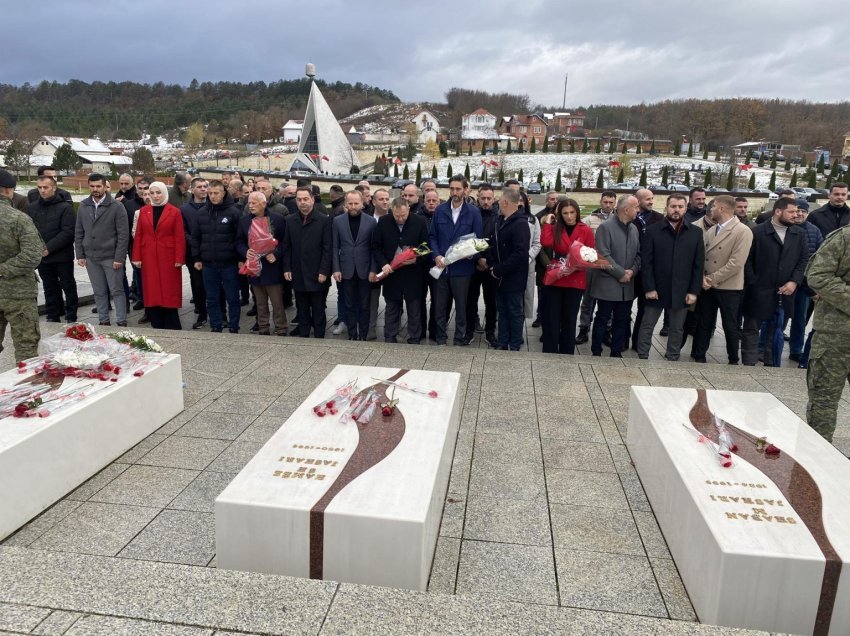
pixel 292 131
pixel 479 124
pixel 355 136
pixel 96 156
pixel 427 126
pixel 525 128
pixel 561 124
pixel 845 153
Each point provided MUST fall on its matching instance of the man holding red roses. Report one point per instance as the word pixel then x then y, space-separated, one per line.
pixel 396 232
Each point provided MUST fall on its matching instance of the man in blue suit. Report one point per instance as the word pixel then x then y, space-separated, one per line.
pixel 452 220
pixel 352 262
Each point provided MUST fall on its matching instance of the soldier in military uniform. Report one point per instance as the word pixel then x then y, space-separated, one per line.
pixel 828 274
pixel 21 249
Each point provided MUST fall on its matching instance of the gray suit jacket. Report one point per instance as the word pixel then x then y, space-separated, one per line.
pixel 620 244
pixel 352 256
pixel 105 237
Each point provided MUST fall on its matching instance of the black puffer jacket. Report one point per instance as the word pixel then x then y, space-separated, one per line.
pixel 214 233
pixel 55 220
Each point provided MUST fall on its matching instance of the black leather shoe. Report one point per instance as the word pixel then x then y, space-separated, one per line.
pixel 252 311
pixel 581 338
pixel 139 305
pixel 794 357
pixel 535 324
pixel 665 331
pixel 145 319
pixel 233 330
pixel 200 322
pixel 255 328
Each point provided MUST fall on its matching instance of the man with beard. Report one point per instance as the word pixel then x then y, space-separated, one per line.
pixel 48 171
pixel 410 193
pixel 365 189
pixel 835 214
pixel 646 217
pixel 672 261
pixel 727 245
pixel 55 220
pixel 352 263
pixel 190 210
pixel 452 220
pixel 289 199
pixel 380 209
pixel 307 261
pixel 337 201
pixel 741 206
pixel 696 205
pixel 179 193
pixel 430 203
pixel 482 280
pixel 774 270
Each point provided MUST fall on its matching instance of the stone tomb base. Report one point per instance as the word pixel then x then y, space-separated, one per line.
pixel 764 544
pixel 358 503
pixel 43 459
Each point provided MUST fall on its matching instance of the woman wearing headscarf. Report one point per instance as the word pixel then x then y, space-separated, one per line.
pixel 563 297
pixel 159 249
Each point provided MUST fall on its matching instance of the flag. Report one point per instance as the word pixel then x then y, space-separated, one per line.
pixel 325 158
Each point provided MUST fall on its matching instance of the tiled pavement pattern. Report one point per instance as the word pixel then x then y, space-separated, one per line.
pixel 546 528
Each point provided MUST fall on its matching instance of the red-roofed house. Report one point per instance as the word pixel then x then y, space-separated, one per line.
pixel 524 127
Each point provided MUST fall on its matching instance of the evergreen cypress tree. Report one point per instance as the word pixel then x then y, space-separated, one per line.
pixel 540 177
pixel 690 149
pixel 803 161
pixel 378 161
pixel 572 145
pixel 559 145
pixel 483 147
pixel 788 164
pixel 821 166
pixel 449 172
pixel 579 184
pixel 813 179
pixel 520 176
pixel 444 149
pixel 483 176
pixel 665 175
pixel 624 148
pixel 395 170
pixel 469 150
pixel 558 185
pixel 730 179
pixel 546 144
pixel 772 185
pixel 457 149
pixel 828 183
pixel 418 174
pixel 677 147
pixel 620 176
pixel 717 156
pixel 773 162
pixel 598 148
pixel 398 153
pixel 406 173
pixel 600 180
pixel 612 145
pixel 642 182
pixel 639 149
pixel 466 172
pixel 705 153
pixel 585 147
pixel 533 147
pixel 434 171
pixel 501 175
pixel 707 181
pixel 749 156
pixel 521 147
pixel 508 149
pixel 751 184
pixel 652 148
pixel 793 183
pixel 687 179
pixel 495 146
pixel 761 161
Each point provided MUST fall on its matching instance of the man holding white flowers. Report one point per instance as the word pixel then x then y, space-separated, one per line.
pixel 452 220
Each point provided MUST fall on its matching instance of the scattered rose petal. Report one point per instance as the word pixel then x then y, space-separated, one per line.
pixel 726 464
pixel 432 394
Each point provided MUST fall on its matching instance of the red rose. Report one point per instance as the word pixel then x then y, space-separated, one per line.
pixel 432 394
pixel 320 413
pixel 332 411
pixel 726 463
pixel 116 370
pixel 20 409
pixel 330 404
pixel 107 366
pixel 22 365
pixel 771 450
pixel 387 411
pixel 733 447
pixel 139 373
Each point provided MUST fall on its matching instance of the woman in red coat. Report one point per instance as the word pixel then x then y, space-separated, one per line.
pixel 563 298
pixel 159 249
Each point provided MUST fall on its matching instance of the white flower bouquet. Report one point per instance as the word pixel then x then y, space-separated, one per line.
pixel 466 246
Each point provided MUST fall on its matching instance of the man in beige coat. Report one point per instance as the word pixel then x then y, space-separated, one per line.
pixel 727 246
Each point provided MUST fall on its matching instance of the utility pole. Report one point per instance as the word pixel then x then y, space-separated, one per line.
pixel 564 105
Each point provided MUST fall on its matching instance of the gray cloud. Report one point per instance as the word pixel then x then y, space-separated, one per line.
pixel 645 50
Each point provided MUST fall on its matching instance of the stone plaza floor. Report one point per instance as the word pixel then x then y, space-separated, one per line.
pixel 546 528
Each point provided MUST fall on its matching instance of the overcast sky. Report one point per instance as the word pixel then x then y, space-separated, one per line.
pixel 614 51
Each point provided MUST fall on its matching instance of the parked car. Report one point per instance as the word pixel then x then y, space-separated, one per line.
pixel 534 188
pixel 678 187
pixel 400 183
pixel 823 191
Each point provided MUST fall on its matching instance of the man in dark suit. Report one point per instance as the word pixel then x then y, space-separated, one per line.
pixel 307 262
pixel 352 262
pixel 645 218
pixel 397 231
pixel 774 270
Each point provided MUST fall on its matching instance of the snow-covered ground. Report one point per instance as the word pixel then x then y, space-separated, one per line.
pixel 590 165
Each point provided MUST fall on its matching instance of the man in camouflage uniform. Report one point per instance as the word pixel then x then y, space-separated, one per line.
pixel 21 249
pixel 828 274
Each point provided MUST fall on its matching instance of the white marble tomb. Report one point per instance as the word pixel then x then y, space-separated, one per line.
pixel 335 500
pixel 764 544
pixel 43 459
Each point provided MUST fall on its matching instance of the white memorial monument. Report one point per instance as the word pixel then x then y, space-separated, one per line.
pixel 43 459
pixel 330 498
pixel 763 543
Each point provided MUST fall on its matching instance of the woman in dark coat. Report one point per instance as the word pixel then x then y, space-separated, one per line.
pixel 563 298
pixel 159 249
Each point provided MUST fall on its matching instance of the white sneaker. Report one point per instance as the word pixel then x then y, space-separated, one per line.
pixel 338 329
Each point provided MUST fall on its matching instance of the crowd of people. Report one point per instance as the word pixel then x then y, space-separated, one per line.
pixel 242 239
